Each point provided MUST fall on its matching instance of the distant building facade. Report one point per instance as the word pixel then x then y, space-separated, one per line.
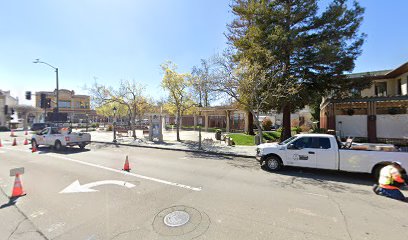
pixel 11 102
pixel 76 106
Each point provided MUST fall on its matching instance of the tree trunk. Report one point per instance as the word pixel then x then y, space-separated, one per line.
pixel 178 126
pixel 251 119
pixel 286 132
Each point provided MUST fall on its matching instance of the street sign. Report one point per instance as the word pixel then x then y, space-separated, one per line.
pixel 15 171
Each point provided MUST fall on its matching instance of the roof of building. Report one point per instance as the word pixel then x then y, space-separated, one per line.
pixel 382 74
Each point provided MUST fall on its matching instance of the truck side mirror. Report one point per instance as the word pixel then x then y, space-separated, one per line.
pixel 291 146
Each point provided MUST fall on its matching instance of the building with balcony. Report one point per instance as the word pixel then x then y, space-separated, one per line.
pixel 376 114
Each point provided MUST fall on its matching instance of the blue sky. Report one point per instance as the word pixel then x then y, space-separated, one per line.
pixel 112 40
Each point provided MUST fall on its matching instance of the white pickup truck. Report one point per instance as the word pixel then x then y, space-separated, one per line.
pixel 60 138
pixel 325 152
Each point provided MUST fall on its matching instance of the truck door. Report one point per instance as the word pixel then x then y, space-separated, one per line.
pixel 40 138
pixel 326 154
pixel 50 138
pixel 301 153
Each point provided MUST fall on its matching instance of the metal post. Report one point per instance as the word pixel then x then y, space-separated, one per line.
pixel 199 137
pixel 87 121
pixel 114 128
pixel 56 71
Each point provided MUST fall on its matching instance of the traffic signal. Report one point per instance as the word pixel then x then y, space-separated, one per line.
pixel 28 95
pixel 5 109
pixel 48 103
pixel 42 101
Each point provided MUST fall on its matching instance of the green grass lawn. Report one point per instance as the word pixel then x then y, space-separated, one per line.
pixel 242 139
pixel 248 140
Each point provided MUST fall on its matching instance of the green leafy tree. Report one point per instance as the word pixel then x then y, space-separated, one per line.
pixel 178 86
pixel 313 49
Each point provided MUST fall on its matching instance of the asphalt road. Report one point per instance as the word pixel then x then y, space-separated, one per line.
pixel 212 197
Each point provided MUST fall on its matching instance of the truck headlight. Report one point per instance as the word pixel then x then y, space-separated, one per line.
pixel 258 151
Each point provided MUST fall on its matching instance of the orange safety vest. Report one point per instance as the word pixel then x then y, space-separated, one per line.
pixel 388 176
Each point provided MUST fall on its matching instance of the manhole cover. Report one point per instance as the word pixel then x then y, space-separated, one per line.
pixel 176 218
pixel 181 222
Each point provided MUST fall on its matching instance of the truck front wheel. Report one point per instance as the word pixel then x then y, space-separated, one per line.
pixel 58 146
pixel 82 146
pixel 273 163
pixel 34 143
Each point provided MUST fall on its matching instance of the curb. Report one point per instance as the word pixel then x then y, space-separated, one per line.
pixel 180 150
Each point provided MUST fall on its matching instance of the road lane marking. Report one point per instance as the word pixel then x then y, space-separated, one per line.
pixel 119 171
pixel 76 187
pixel 319 195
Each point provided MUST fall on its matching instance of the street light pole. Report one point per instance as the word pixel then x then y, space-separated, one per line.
pixel 56 72
pixel 56 77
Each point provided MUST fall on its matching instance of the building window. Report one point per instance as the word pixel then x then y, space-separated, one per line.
pixel 381 89
pixel 64 104
pixel 399 87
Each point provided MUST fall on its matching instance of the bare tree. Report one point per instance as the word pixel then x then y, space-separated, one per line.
pixel 130 94
pixel 244 82
pixel 202 81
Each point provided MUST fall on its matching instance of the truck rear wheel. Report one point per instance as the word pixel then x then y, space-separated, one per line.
pixel 376 171
pixel 273 163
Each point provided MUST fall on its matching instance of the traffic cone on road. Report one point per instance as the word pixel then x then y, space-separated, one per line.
pixel 26 142
pixel 1 145
pixel 33 148
pixel 14 142
pixel 18 187
pixel 126 167
pixel 12 133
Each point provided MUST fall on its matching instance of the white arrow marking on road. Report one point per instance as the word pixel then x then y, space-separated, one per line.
pixel 76 187
pixel 115 170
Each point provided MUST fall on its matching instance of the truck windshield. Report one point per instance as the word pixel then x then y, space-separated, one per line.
pixel 287 140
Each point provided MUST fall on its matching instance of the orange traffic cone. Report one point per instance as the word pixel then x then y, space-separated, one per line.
pixel 18 187
pixel 1 145
pixel 33 148
pixel 26 133
pixel 12 133
pixel 126 167
pixel 26 142
pixel 14 142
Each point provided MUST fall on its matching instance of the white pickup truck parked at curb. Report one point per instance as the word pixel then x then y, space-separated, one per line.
pixel 325 152
pixel 60 138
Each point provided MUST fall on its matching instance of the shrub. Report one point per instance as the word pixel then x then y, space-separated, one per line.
pixel 95 125
pixel 305 128
pixel 110 128
pixel 267 124
pixel 296 129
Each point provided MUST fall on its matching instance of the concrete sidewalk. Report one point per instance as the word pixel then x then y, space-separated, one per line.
pixel 189 142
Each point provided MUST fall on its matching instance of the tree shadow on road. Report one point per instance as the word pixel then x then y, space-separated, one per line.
pixel 326 179
pixel 209 156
